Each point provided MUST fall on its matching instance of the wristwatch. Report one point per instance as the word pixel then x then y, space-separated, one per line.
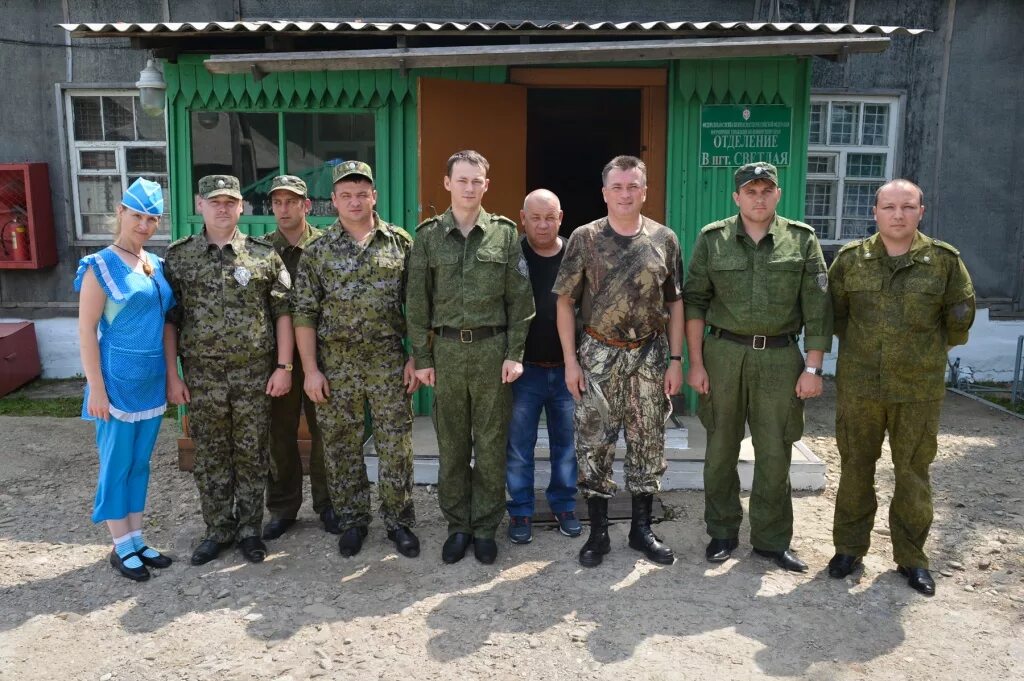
pixel 814 370
pixel 677 358
pixel 286 367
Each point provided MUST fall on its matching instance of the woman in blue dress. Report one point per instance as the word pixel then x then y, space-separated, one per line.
pixel 124 297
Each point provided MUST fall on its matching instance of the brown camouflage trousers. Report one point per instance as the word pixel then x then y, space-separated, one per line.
pixel 229 421
pixel 625 390
pixel 861 425
pixel 359 376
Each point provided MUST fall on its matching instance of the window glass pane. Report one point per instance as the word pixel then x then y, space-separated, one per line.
pixel 822 164
pixel 105 159
pixel 876 125
pixel 86 112
pixel 816 130
pixel 240 144
pixel 118 118
pixel 858 198
pixel 149 128
pixel 146 160
pixel 865 165
pixel 97 197
pixel 317 142
pixel 820 207
pixel 842 128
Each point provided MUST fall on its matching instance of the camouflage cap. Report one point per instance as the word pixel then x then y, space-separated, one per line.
pixel 289 183
pixel 756 171
pixel 347 168
pixel 219 185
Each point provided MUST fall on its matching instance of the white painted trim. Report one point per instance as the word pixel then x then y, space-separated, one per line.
pixel 135 416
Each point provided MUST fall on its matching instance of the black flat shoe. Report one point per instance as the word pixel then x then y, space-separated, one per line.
pixel 207 550
pixel 455 546
pixel 842 565
pixel 330 520
pixel 919 579
pixel 784 559
pixel 720 550
pixel 405 541
pixel 351 541
pixel 276 527
pixel 139 574
pixel 158 561
pixel 485 550
pixel 253 549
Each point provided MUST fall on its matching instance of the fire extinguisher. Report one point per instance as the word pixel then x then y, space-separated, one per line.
pixel 14 237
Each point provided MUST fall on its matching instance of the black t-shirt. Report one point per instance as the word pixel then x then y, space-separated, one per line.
pixel 542 344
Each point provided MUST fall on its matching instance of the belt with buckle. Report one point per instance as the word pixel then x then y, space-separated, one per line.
pixel 468 335
pixel 756 342
pixel 546 365
pixel 631 344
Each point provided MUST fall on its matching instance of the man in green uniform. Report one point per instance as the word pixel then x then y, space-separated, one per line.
pixel 901 300
pixel 624 271
pixel 755 281
pixel 232 293
pixel 289 199
pixel 469 308
pixel 347 307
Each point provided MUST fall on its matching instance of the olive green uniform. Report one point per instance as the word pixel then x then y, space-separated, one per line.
pixel 284 486
pixel 477 283
pixel 229 300
pixel 622 285
pixel 772 288
pixel 895 317
pixel 352 294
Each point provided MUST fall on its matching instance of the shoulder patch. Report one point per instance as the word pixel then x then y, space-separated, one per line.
pixel 179 242
pixel 949 247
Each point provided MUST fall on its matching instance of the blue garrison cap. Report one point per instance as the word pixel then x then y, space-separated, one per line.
pixel 144 196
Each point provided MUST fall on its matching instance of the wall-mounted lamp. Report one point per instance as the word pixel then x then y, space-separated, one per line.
pixel 152 88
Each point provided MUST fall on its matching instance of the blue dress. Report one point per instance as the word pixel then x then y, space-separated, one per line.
pixel 131 335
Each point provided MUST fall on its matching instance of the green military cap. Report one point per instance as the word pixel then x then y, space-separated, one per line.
pixel 756 171
pixel 219 185
pixel 348 168
pixel 290 183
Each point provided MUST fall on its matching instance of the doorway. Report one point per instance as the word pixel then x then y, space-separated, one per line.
pixel 570 135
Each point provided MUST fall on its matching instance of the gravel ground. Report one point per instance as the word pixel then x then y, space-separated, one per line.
pixel 306 612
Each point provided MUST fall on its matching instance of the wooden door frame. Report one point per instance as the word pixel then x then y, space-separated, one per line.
pixel 653 86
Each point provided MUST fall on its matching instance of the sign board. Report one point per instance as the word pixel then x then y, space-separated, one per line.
pixel 735 134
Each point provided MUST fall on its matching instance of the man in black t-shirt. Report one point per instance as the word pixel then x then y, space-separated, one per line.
pixel 542 385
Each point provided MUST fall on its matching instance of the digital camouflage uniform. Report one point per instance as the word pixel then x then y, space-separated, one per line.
pixel 284 486
pixel 895 319
pixel 228 302
pixel 773 288
pixel 622 285
pixel 477 282
pixel 352 294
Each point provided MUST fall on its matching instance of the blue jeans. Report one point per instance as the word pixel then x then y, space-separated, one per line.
pixel 541 388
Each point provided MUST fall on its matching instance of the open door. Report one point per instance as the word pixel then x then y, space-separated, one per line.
pixel 457 114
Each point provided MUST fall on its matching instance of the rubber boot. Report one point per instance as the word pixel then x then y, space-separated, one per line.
pixel 598 544
pixel 642 537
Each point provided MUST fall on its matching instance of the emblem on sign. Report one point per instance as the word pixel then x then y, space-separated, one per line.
pixel 746 113
pixel 242 276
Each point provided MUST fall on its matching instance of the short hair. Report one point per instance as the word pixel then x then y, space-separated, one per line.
pixel 467 156
pixel 624 163
pixel 900 182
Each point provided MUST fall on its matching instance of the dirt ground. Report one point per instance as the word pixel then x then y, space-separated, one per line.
pixel 307 612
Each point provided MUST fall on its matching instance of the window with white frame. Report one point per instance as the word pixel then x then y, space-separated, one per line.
pixel 850 153
pixel 111 144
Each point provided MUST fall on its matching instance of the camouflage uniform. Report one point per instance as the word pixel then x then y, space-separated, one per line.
pixel 895 318
pixel 352 295
pixel 476 283
pixel 622 285
pixel 284 486
pixel 228 302
pixel 771 288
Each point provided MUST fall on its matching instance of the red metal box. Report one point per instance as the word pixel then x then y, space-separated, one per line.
pixel 19 355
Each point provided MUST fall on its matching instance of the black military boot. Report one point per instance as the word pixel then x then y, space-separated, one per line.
pixel 642 537
pixel 598 543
